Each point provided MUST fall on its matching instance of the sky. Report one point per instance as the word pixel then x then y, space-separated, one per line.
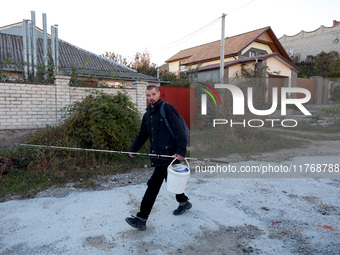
pixel 164 28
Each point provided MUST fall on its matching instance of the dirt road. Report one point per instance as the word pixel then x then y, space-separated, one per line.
pixel 229 215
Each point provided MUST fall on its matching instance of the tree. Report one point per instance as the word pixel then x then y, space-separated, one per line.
pixel 142 63
pixel 334 68
pixel 323 64
pixel 172 79
pixel 115 57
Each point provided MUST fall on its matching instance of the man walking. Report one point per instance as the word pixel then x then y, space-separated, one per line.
pixel 153 127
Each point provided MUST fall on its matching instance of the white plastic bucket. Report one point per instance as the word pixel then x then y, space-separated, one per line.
pixel 177 177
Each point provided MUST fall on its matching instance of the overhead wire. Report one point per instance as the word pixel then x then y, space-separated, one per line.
pixel 241 7
pixel 197 32
pixel 189 36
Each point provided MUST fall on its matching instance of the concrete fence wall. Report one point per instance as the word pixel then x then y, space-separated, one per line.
pixel 32 106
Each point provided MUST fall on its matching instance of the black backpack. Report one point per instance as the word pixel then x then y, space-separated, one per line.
pixel 184 125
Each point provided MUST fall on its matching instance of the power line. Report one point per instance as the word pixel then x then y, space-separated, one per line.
pixel 189 36
pixel 241 7
pixel 197 32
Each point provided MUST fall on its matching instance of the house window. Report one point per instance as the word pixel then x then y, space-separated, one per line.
pixel 181 67
pixel 252 53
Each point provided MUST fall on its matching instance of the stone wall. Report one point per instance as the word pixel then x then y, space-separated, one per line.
pixel 32 106
pixel 312 43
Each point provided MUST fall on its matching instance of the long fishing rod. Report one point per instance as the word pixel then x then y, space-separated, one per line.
pixel 118 152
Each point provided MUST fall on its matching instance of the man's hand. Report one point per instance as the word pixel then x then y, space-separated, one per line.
pixel 179 157
pixel 131 155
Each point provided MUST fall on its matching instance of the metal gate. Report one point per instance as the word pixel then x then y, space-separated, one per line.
pixel 308 84
pixel 180 98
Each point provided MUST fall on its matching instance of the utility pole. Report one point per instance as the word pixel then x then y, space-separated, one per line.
pixel 222 49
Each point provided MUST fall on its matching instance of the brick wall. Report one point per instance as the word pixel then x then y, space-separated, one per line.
pixel 31 106
pixel 141 95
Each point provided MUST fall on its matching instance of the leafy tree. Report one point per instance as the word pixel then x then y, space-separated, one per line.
pixel 172 79
pixel 142 63
pixel 323 64
pixel 307 66
pixel 325 61
pixel 334 68
pixel 115 57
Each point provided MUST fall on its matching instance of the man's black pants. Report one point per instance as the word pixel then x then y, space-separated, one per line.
pixel 154 185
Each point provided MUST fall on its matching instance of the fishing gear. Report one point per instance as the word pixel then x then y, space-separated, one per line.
pixel 118 152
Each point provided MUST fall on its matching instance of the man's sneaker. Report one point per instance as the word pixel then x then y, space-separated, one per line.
pixel 182 208
pixel 136 222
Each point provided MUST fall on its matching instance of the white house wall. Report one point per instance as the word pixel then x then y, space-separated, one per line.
pixel 277 67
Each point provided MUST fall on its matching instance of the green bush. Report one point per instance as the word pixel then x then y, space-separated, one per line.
pixel 102 121
pixel 332 111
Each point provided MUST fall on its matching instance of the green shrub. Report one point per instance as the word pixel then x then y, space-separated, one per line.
pixel 102 121
pixel 332 111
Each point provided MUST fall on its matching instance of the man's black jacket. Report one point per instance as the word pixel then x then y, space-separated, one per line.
pixel 162 143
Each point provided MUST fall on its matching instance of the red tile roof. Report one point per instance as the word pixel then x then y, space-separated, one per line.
pixel 233 47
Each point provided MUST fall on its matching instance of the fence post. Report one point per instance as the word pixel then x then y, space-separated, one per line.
pixel 325 91
pixel 140 95
pixel 294 79
pixel 318 89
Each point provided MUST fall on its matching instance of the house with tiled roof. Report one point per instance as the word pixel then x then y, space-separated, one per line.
pixel 21 53
pixel 247 49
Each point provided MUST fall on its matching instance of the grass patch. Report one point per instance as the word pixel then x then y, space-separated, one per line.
pixel 39 169
pixel 22 183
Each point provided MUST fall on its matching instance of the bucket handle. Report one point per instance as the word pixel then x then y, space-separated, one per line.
pixel 184 159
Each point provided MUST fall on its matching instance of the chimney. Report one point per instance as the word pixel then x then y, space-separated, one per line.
pixel 335 23
pixel 56 48
pixel 53 43
pixel 24 43
pixel 45 38
pixel 34 44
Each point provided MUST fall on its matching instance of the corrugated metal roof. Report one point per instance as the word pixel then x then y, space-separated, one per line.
pixel 87 63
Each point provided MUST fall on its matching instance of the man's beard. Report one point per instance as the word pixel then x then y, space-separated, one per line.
pixel 153 102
